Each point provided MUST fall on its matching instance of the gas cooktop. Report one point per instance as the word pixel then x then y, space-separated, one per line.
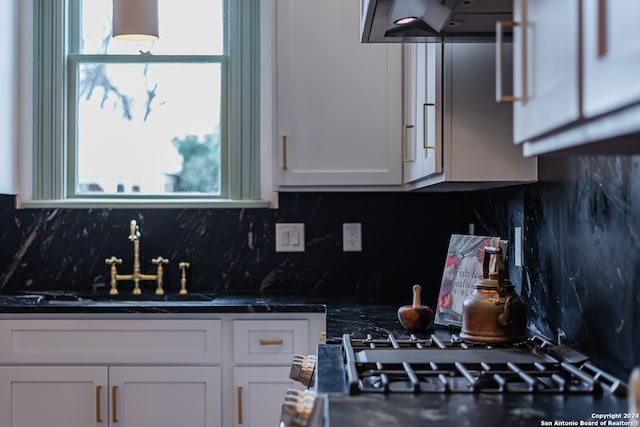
pixel 435 365
pixel 442 380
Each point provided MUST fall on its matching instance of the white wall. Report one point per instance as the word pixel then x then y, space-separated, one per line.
pixel 8 97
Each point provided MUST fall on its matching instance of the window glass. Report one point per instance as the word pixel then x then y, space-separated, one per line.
pixel 186 27
pixel 151 129
pixel 149 123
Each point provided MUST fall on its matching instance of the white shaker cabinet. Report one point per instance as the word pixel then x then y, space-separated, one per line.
pixel 164 396
pixel 611 55
pixel 545 73
pixel 110 372
pixel 339 102
pixel 53 396
pixel 211 370
pixel 422 138
pixel 259 395
pixel 464 140
pixel 575 76
pixel 81 396
pixel 262 355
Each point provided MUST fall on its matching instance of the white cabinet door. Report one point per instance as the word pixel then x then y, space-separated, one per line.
pixel 53 396
pixel 259 393
pixel 611 55
pixel 165 396
pixel 339 102
pixel 430 142
pixel 422 137
pixel 546 62
pixel 414 98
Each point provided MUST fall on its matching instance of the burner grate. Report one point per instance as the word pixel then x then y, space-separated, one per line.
pixel 445 368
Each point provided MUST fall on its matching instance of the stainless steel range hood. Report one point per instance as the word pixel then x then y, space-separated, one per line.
pixel 431 21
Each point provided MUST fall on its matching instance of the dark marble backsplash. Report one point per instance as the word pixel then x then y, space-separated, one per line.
pixel 582 253
pixel 581 226
pixel 405 237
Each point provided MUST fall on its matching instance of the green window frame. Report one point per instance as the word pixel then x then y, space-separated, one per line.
pixel 54 112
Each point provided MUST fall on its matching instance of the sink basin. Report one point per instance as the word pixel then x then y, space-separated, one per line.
pixel 22 299
pixel 64 298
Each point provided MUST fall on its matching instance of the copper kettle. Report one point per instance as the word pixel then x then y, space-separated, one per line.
pixel 493 313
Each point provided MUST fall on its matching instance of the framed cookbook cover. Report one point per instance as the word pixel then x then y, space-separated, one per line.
pixel 462 269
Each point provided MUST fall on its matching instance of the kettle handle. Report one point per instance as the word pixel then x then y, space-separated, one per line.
pixel 500 267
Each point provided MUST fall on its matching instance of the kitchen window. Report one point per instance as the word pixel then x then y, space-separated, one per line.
pixel 169 121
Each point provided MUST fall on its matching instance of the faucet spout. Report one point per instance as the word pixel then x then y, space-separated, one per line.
pixel 135 230
pixel 136 276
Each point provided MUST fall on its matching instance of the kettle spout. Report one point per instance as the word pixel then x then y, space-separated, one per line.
pixel 504 318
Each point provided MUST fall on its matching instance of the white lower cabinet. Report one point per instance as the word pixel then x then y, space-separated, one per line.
pixel 53 396
pixel 263 352
pixel 259 395
pixel 117 372
pixel 165 396
pixel 125 396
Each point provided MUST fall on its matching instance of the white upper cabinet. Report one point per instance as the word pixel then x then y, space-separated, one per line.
pixel 545 83
pixel 463 137
pixel 611 55
pixel 575 76
pixel 422 137
pixel 339 102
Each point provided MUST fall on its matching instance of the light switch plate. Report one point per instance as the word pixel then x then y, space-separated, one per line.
pixel 352 237
pixel 290 237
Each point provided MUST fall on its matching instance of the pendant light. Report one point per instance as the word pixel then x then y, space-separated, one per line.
pixel 135 20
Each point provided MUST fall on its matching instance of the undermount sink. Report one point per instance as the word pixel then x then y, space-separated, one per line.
pixel 55 298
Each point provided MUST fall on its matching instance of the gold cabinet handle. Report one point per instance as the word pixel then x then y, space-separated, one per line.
pixel 405 142
pixel 500 25
pixel 114 404
pixel 425 132
pixel 271 342
pixel 602 28
pixel 284 152
pixel 240 420
pixel 98 406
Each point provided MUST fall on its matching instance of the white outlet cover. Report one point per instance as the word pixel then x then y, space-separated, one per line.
pixel 518 249
pixel 290 237
pixel 352 237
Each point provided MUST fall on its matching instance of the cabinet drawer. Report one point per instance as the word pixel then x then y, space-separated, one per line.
pixel 110 341
pixel 269 341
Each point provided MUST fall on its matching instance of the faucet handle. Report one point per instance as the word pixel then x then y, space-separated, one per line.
pixel 159 260
pixel 183 280
pixel 113 261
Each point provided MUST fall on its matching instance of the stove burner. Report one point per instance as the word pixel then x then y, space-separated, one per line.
pixel 438 365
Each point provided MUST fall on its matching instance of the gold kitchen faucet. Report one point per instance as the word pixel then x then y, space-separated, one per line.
pixel 136 276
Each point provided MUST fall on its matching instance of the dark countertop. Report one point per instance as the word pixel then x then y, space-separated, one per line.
pixel 193 303
pixel 359 318
pixel 356 317
pixel 353 316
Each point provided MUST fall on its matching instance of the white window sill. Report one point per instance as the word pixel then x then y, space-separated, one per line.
pixel 143 203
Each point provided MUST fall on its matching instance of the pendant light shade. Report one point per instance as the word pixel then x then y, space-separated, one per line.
pixel 135 20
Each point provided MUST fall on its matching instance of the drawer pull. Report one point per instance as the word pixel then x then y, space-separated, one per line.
pixel 284 152
pixel 500 25
pixel 114 404
pixel 240 420
pixel 405 142
pixel 271 342
pixel 98 406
